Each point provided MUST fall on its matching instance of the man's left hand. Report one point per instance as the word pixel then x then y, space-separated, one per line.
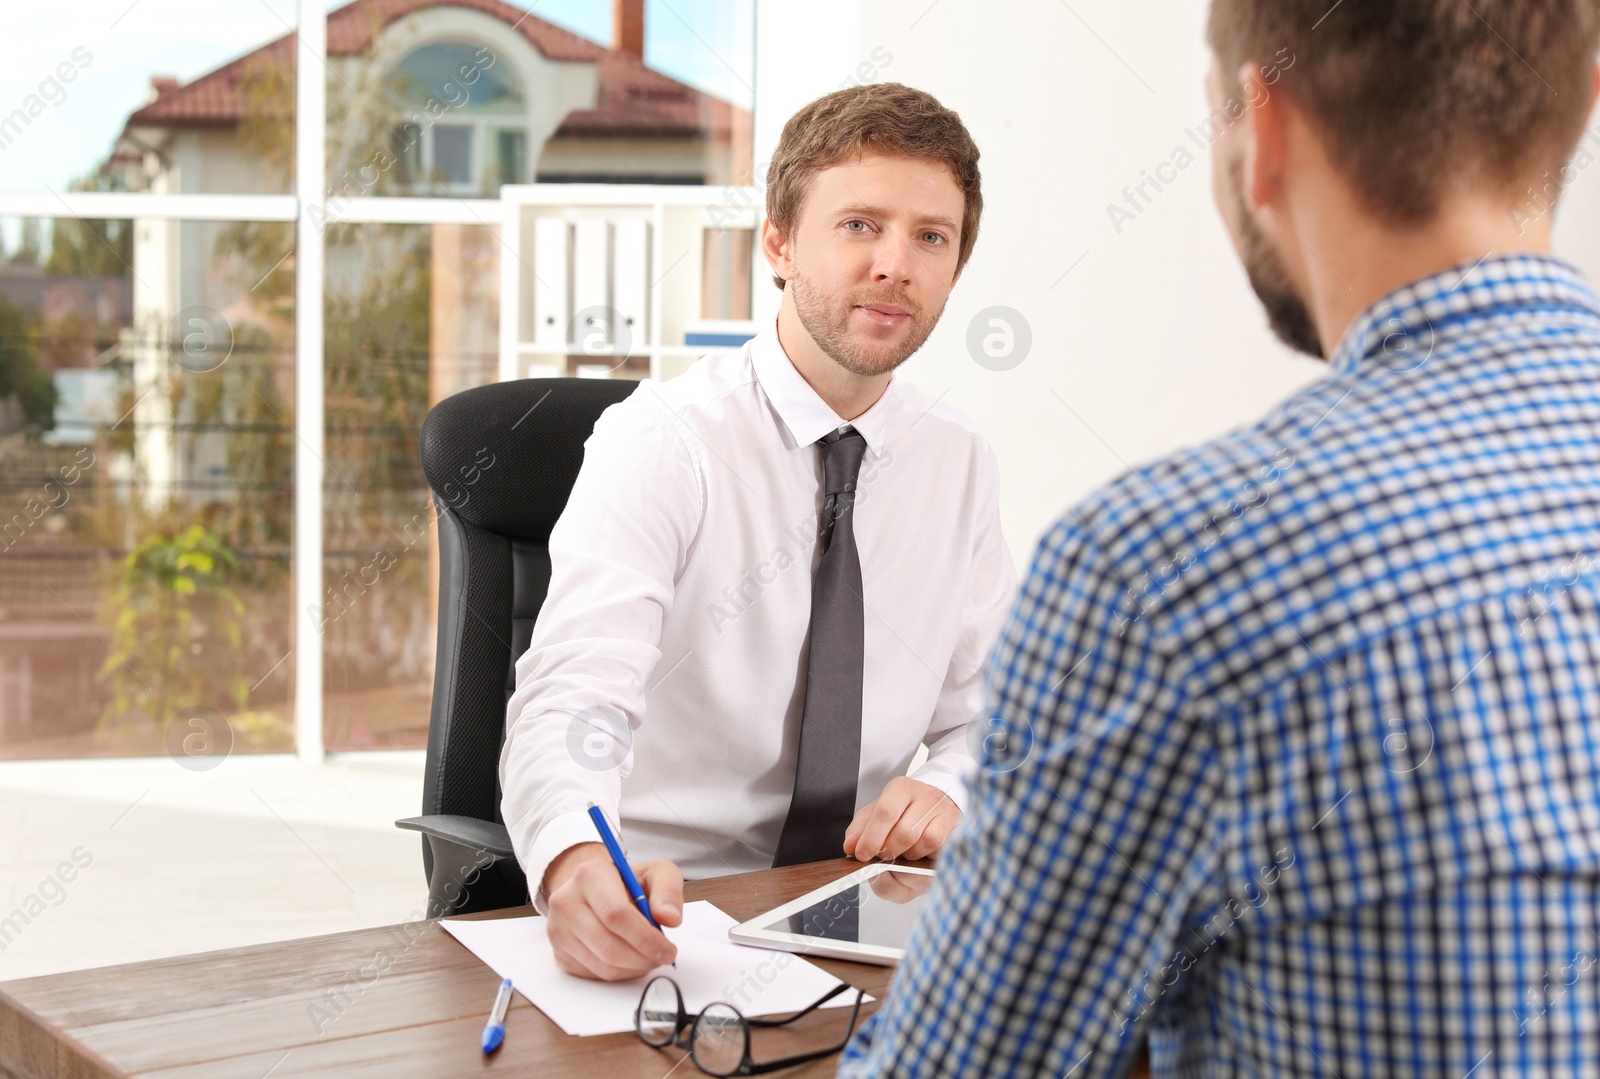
pixel 909 820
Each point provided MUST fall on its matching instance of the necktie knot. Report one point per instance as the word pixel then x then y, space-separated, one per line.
pixel 842 453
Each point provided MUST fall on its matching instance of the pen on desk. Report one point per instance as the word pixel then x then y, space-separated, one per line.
pixel 629 881
pixel 494 1032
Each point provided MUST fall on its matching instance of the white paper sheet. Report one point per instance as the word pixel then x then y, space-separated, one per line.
pixel 710 967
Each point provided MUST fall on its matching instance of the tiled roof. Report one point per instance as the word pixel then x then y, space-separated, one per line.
pixel 633 101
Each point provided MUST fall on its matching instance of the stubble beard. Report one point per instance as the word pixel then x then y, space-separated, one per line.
pixel 1287 312
pixel 828 322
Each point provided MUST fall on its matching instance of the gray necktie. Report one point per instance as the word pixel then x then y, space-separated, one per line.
pixel 830 729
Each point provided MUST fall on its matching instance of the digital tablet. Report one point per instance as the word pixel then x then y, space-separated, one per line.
pixel 866 916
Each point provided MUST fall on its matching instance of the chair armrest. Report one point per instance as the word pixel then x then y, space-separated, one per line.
pixel 470 832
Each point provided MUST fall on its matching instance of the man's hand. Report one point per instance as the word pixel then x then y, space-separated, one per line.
pixel 909 820
pixel 595 930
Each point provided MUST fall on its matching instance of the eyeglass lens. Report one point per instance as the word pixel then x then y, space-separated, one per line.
pixel 660 1009
pixel 720 1040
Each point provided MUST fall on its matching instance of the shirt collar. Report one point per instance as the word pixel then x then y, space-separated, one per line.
pixel 1399 332
pixel 805 415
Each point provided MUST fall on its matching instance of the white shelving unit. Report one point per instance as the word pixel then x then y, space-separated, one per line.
pixel 607 273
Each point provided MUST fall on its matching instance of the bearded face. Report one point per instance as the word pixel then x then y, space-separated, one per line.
pixel 872 257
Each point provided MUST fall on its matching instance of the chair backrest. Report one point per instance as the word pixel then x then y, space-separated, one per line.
pixel 501 461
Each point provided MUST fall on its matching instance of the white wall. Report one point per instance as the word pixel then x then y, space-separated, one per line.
pixel 1154 341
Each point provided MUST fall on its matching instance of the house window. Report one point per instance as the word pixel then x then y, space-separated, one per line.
pixel 462 128
pixel 512 156
pixel 452 154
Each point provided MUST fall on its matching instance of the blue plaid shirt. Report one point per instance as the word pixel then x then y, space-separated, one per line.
pixel 1294 741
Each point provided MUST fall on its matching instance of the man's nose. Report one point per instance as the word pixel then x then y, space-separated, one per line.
pixel 892 262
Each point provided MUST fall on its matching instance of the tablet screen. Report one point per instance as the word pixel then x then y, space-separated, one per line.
pixel 879 912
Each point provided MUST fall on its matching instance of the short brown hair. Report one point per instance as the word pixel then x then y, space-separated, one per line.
pixel 1416 97
pixel 884 117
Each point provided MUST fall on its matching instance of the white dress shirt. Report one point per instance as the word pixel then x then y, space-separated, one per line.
pixel 665 680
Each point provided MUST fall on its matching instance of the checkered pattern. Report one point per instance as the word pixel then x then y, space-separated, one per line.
pixel 1295 767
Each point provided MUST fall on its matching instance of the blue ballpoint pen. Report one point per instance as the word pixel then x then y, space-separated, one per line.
pixel 494 1032
pixel 629 881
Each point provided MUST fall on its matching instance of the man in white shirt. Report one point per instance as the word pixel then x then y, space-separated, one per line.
pixel 778 574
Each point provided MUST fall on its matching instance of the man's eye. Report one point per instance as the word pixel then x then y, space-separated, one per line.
pixel 853 226
pixel 933 238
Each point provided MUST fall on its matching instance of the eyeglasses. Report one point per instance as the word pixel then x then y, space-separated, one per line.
pixel 718 1039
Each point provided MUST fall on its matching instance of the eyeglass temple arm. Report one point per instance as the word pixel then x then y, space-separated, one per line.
pixel 840 988
pixel 790 1062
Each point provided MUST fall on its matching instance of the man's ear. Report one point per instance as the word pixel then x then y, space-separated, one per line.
pixel 778 250
pixel 1266 149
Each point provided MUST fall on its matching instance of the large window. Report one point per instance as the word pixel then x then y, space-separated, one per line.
pixel 213 367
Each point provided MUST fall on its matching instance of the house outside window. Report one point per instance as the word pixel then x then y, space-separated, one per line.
pixel 162 358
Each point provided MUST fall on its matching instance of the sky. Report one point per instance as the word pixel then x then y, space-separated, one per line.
pixel 113 47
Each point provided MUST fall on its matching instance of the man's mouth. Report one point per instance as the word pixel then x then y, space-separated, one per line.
pixel 884 314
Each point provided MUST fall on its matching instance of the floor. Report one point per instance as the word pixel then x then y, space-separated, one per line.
pixel 114 861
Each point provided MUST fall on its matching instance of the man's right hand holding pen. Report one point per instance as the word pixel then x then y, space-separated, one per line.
pixel 595 930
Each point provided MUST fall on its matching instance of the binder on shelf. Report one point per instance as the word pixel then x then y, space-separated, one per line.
pixel 630 283
pixel 591 332
pixel 551 257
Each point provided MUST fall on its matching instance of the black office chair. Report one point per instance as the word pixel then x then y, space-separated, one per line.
pixel 501 461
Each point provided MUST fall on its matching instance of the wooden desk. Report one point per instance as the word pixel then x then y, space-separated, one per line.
pixel 251 1013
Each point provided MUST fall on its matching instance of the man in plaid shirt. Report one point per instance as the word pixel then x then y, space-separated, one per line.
pixel 1295 755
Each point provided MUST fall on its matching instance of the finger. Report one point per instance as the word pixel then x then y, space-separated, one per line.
pixel 887 811
pixel 919 816
pixel 853 830
pixel 861 847
pixel 621 956
pixel 608 904
pixel 906 831
pixel 936 834
pixel 590 963
pixel 870 844
pixel 594 906
pixel 663 886
pixel 568 916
